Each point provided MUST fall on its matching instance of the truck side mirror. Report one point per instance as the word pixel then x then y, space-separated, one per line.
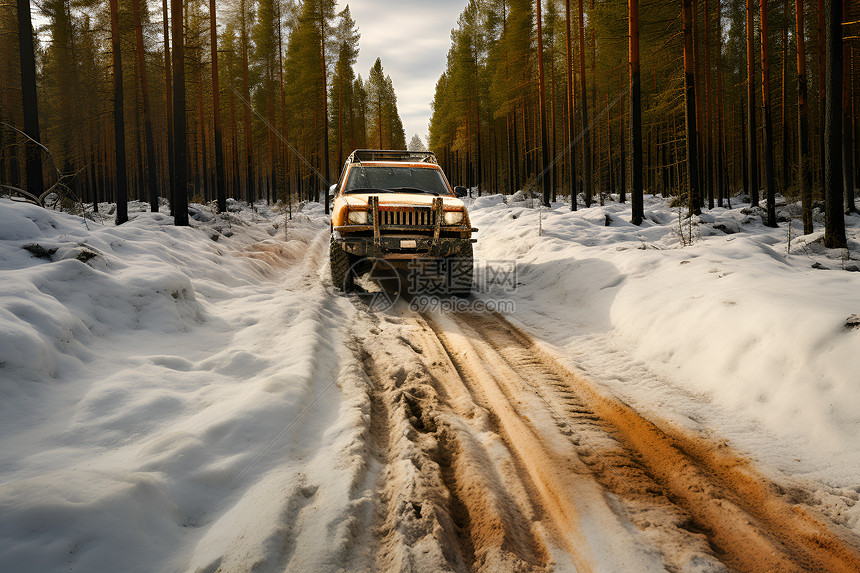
pixel 332 190
pixel 460 191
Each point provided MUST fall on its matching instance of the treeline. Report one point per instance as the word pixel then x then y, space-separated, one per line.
pixel 753 77
pixel 271 102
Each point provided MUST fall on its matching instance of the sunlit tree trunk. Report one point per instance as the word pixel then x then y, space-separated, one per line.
pixel 220 183
pixel 637 199
pixel 767 147
pixel 752 151
pixel 180 182
pixel 847 149
pixel 586 150
pixel 804 171
pixel 571 112
pixel 690 111
pixel 147 113
pixel 118 118
pixel 168 96
pixel 544 167
pixel 251 184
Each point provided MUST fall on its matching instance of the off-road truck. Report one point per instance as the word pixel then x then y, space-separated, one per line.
pixel 398 207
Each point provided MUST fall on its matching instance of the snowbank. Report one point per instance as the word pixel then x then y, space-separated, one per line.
pixel 149 376
pixel 737 319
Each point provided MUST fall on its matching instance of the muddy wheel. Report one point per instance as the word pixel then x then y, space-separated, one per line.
pixel 339 262
pixel 461 266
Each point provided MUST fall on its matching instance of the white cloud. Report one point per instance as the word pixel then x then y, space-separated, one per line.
pixel 412 38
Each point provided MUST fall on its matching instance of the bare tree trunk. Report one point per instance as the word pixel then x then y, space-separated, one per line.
pixel 147 113
pixel 35 181
pixel 119 119
pixel 690 111
pixel 168 95
pixel 721 171
pixel 547 184
pixel 251 191
pixel 847 149
pixel 571 111
pixel 586 150
pixel 220 183
pixel 822 96
pixel 834 227
pixel 708 163
pixel 767 148
pixel 804 171
pixel 785 129
pixel 180 182
pixel 480 175
pixel 325 158
pixel 752 162
pixel 637 199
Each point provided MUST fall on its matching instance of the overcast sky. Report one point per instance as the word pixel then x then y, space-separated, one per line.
pixel 412 38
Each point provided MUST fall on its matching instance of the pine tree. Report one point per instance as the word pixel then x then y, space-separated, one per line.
pixel 30 104
pixel 180 185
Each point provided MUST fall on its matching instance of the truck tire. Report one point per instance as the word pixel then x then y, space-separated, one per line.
pixel 461 266
pixel 339 262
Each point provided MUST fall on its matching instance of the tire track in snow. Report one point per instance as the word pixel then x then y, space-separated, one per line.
pixel 443 503
pixel 746 519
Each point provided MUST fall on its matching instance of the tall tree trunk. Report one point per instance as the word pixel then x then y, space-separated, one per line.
pixel 571 112
pixel 480 175
pixel 325 158
pixel 180 181
pixel 767 144
pixel 168 96
pixel 847 149
pixel 586 142
pixel 637 199
pixel 622 160
pixel 220 182
pixel 721 175
pixel 251 184
pixel 690 111
pixel 118 118
pixel 544 167
pixel 834 228
pixel 147 113
pixel 804 171
pixel 822 94
pixel 35 182
pixel 752 161
pixel 785 128
pixel 708 143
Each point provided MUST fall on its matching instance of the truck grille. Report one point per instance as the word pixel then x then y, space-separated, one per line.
pixel 412 217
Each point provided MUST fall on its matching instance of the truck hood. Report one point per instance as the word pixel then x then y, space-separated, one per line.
pixel 402 200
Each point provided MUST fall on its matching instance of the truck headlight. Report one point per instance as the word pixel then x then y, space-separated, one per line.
pixel 453 217
pixel 357 217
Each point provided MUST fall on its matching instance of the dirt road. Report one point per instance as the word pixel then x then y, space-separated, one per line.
pixel 492 456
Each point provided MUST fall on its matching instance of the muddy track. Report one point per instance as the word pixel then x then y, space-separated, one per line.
pixel 496 457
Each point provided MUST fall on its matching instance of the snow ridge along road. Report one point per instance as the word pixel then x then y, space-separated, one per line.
pixel 496 457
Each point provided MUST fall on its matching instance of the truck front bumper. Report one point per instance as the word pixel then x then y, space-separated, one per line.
pixel 400 247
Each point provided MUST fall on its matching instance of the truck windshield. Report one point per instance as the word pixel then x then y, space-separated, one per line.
pixel 399 179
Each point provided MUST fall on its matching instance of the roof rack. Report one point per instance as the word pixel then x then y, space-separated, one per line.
pixel 360 155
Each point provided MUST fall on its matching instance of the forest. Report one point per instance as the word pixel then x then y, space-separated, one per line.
pixel 259 99
pixel 250 99
pixel 694 100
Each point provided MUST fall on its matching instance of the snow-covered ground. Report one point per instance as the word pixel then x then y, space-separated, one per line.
pixel 736 332
pixel 186 399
